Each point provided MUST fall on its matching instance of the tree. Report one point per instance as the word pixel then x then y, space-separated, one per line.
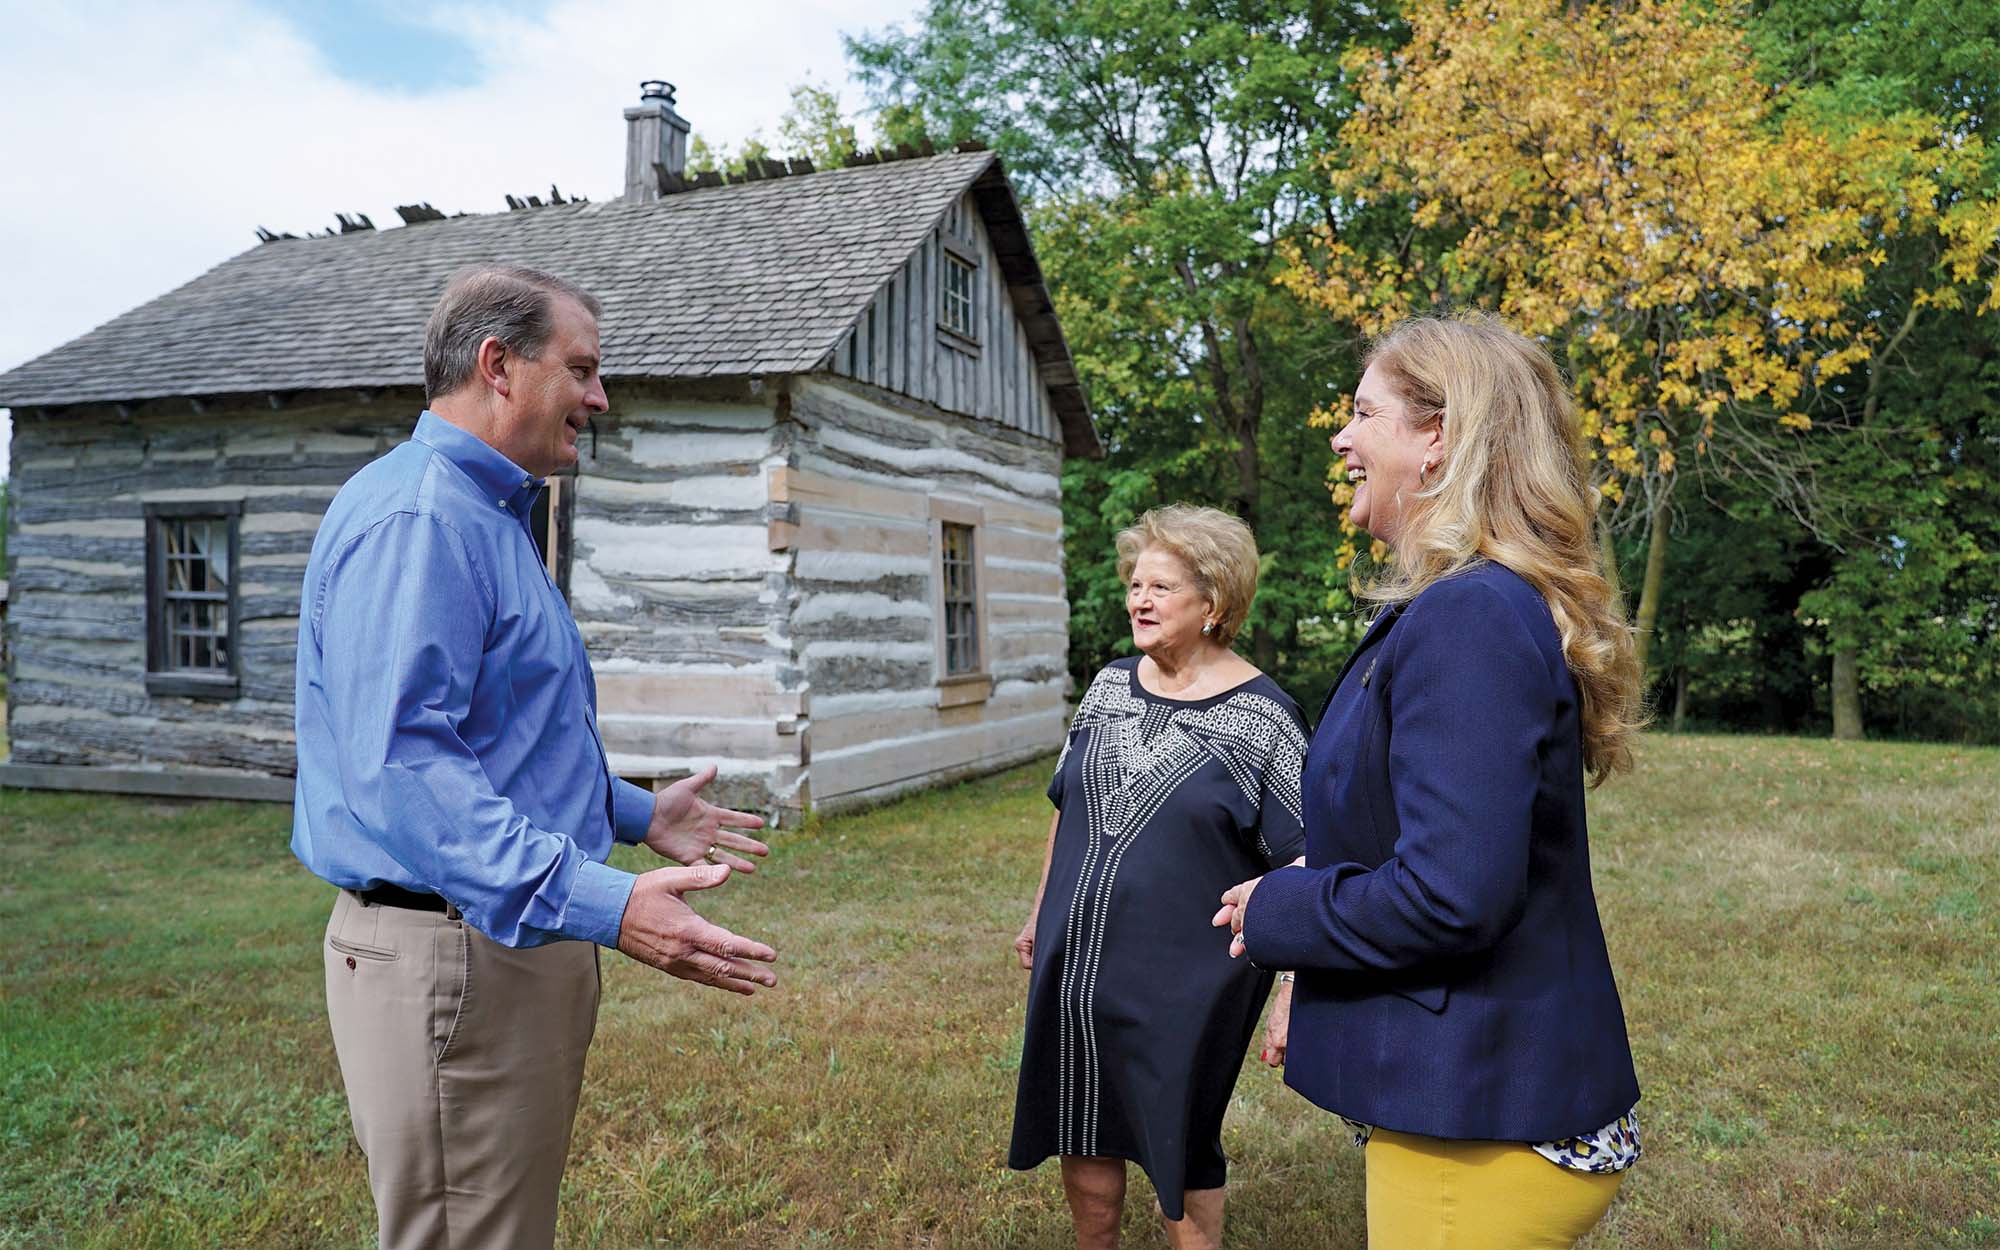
pixel 1616 179
pixel 1907 607
pixel 1162 151
pixel 704 155
pixel 812 126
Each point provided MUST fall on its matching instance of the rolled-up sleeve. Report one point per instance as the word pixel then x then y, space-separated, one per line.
pixel 401 618
pixel 1471 703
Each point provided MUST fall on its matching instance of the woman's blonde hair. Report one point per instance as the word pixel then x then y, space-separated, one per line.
pixel 1513 488
pixel 1218 549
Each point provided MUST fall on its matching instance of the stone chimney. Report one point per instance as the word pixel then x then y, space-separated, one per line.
pixel 655 141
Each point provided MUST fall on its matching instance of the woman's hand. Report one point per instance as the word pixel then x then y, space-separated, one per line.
pixel 1235 901
pixel 1278 1027
pixel 1024 945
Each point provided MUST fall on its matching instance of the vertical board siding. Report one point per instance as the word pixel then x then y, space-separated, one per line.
pixel 896 344
pixel 861 476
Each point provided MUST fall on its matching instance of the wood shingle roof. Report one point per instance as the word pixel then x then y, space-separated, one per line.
pixel 752 278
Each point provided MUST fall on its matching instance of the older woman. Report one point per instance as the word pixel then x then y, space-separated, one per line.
pixel 1455 1002
pixel 1180 775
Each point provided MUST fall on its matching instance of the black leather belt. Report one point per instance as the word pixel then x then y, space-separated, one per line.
pixel 386 895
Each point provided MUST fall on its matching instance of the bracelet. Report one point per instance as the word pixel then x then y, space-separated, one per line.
pixel 1288 977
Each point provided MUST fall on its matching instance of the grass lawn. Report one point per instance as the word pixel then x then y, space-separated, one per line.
pixel 1805 933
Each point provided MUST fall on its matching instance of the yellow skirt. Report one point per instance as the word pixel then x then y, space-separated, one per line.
pixel 1430 1193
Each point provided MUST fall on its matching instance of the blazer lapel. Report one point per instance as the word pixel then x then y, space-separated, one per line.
pixel 1380 623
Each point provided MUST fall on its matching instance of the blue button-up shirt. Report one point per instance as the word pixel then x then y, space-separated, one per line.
pixel 447 717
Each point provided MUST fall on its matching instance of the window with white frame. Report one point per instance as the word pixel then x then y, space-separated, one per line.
pixel 191 598
pixel 956 298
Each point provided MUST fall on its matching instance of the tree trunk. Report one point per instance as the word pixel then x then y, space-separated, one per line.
pixel 1680 698
pixel 1846 695
pixel 1607 551
pixel 1649 585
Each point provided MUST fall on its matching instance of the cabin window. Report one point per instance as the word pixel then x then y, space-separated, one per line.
pixel 961 600
pixel 957 532
pixel 191 598
pixel 957 297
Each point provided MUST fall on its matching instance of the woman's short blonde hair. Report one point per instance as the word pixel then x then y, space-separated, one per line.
pixel 1218 549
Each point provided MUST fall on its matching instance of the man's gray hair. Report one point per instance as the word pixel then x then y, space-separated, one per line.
pixel 505 302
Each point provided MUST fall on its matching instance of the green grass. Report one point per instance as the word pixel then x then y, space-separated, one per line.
pixel 1805 934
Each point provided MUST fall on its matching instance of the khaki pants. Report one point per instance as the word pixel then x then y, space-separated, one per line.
pixel 463 1060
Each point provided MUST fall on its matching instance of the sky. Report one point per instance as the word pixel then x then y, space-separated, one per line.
pixel 142 143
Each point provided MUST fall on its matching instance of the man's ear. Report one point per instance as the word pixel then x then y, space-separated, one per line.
pixel 491 365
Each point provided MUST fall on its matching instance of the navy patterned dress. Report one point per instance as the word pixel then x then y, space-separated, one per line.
pixel 1138 1019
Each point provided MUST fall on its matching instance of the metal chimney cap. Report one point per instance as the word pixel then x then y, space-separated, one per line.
pixel 656 89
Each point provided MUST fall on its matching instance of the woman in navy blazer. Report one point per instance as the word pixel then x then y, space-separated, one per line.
pixel 1454 1000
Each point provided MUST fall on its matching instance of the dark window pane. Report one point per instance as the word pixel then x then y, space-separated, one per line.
pixel 957 301
pixel 959 595
pixel 193 607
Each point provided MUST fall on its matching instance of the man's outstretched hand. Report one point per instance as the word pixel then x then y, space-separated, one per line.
pixel 686 827
pixel 661 930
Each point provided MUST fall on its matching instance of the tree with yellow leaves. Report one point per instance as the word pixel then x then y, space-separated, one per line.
pixel 1616 179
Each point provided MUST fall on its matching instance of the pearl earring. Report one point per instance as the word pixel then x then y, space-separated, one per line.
pixel 1207 627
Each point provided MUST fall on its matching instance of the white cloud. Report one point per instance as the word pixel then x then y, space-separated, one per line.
pixel 140 144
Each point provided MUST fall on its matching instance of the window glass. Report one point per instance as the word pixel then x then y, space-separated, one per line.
pixel 958 296
pixel 961 600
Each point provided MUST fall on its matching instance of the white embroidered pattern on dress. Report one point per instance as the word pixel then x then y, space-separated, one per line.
pixel 1138 752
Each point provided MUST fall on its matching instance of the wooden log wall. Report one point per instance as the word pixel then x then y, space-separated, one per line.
pixel 860 477
pixel 78 694
pixel 753 574
pixel 897 343
pixel 681 599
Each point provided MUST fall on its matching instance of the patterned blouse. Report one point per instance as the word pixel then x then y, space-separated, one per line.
pixel 1612 1148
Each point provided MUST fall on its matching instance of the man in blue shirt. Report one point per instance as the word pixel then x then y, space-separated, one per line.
pixel 453 784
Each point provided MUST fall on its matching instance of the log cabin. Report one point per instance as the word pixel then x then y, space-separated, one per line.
pixel 817 539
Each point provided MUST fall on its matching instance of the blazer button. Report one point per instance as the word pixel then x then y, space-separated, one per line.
pixel 350 963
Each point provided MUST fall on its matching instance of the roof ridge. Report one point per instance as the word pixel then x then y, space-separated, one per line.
pixel 767 168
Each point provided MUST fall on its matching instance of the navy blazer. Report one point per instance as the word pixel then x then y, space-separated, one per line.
pixel 1452 976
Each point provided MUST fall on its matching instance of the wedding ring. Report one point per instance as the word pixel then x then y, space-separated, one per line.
pixel 710 852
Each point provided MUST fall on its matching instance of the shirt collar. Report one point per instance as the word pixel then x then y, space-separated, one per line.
pixel 498 478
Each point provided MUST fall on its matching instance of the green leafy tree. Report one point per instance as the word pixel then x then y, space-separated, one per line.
pixel 1162 149
pixel 1906 607
pixel 814 127
pixel 704 155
